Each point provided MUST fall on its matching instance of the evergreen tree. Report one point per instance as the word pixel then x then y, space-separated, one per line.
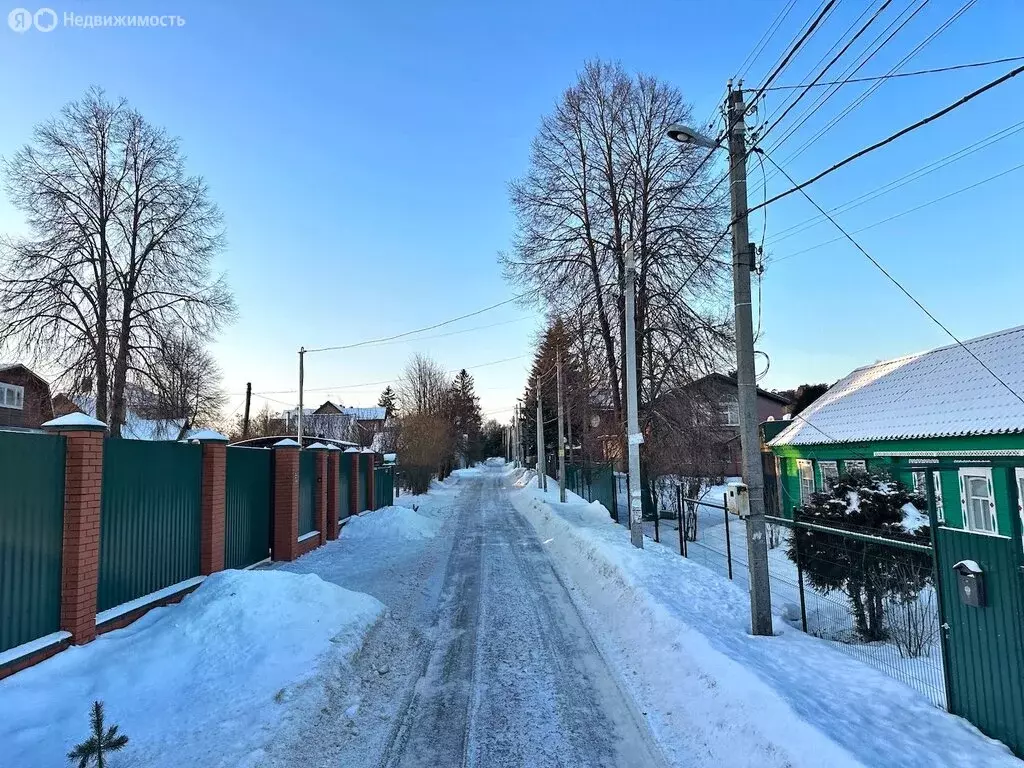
pixel 466 418
pixel 99 743
pixel 389 402
pixel 555 340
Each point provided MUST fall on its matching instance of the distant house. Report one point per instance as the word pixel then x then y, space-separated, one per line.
pixel 134 427
pixel 24 397
pixel 329 420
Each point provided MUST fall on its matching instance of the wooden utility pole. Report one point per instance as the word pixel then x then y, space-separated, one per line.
pixel 245 418
pixel 561 429
pixel 634 437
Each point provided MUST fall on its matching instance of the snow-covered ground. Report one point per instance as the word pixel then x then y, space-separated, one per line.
pixel 206 682
pixel 713 694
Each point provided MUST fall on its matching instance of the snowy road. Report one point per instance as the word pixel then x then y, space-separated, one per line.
pixel 483 661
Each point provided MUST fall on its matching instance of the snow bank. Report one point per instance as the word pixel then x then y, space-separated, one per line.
pixel 204 682
pixel 715 695
pixel 395 523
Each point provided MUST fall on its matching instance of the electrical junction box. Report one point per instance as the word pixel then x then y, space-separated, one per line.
pixel 737 500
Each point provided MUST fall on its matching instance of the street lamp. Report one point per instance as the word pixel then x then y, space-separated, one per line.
pixel 746 382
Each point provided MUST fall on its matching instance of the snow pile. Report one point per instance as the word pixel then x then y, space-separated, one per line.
pixel 393 523
pixel 204 682
pixel 715 695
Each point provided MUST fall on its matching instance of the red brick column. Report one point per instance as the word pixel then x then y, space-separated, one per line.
pixel 80 559
pixel 215 464
pixel 333 493
pixel 371 491
pixel 320 508
pixel 353 486
pixel 286 500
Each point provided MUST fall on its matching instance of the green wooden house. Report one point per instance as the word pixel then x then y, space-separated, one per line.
pixel 949 422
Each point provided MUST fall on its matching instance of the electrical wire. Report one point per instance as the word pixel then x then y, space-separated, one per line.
pixel 887 219
pixel 897 283
pixel 765 39
pixel 888 140
pixel 936 70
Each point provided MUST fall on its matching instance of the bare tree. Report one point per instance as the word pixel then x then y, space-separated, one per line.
pixel 120 250
pixel 602 175
pixel 422 387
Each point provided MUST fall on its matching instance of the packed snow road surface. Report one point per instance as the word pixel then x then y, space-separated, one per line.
pixel 514 677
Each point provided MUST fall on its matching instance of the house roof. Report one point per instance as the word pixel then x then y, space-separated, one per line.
pixel 729 380
pixel 374 413
pixel 8 366
pixel 134 427
pixel 945 392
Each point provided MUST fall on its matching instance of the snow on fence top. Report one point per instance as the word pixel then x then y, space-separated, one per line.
pixel 941 393
pixel 75 419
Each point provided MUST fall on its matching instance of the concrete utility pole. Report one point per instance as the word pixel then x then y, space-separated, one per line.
pixel 750 441
pixel 633 435
pixel 561 429
pixel 302 355
pixel 542 470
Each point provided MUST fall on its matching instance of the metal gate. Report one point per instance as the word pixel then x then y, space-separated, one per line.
pixel 247 507
pixel 983 644
pixel 362 480
pixel 307 492
pixel 31 536
pixel 344 486
pixel 384 486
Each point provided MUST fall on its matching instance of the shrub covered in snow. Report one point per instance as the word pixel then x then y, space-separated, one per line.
pixel 876 578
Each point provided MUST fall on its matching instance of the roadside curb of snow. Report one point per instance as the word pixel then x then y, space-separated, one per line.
pixel 702 706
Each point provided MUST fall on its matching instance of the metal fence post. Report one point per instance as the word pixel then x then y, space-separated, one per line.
pixel 728 542
pixel 657 530
pixel 679 514
pixel 800 578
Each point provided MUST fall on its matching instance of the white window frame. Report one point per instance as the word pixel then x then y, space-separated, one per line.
pixel 14 393
pixel 851 464
pixel 981 473
pixel 801 465
pixel 1018 475
pixel 834 466
pixel 729 411
pixel 940 510
pixel 919 480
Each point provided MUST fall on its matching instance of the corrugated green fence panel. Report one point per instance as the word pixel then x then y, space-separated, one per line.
pixel 985 644
pixel 149 525
pixel 594 482
pixel 384 486
pixel 247 507
pixel 344 486
pixel 31 536
pixel 307 492
pixel 364 467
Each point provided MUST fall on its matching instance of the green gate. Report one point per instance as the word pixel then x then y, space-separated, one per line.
pixel 361 489
pixel 31 536
pixel 384 486
pixel 247 507
pixel 594 482
pixel 344 486
pixel 307 492
pixel 150 518
pixel 984 645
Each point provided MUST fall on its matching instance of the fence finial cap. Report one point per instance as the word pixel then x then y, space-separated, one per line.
pixel 74 422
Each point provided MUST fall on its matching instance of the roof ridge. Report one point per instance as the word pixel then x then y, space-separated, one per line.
pixel 924 352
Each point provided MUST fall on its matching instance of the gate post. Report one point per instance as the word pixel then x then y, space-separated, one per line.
pixel 333 491
pixel 212 523
pixel 80 557
pixel 286 500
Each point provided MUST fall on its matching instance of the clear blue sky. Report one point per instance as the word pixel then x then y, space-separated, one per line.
pixel 361 154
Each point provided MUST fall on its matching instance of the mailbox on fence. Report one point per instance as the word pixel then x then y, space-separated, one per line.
pixel 970 583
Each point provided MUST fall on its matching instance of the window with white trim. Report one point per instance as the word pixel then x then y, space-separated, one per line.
pixel 729 411
pixel 805 468
pixel 12 396
pixel 1019 474
pixel 977 500
pixel 829 474
pixel 919 481
pixel 855 465
pixel 940 511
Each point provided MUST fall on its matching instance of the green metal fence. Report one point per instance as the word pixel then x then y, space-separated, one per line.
pixel 31 536
pixel 384 486
pixel 150 521
pixel 247 507
pixel 344 486
pixel 594 482
pixel 307 492
pixel 363 479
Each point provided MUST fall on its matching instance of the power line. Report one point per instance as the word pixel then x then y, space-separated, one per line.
pixel 765 39
pixel 896 282
pixel 369 342
pixel 914 175
pixel 899 215
pixel 879 144
pixel 895 75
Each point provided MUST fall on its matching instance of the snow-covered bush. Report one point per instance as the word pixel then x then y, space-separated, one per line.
pixel 874 576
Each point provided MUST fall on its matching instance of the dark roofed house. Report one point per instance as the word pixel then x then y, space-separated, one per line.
pixel 24 398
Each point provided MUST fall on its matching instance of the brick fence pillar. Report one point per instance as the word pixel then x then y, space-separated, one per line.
pixel 371 481
pixel 215 464
pixel 286 500
pixel 353 484
pixel 80 557
pixel 333 492
pixel 320 499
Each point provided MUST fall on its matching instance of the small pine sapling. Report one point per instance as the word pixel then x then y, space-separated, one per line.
pixel 99 743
